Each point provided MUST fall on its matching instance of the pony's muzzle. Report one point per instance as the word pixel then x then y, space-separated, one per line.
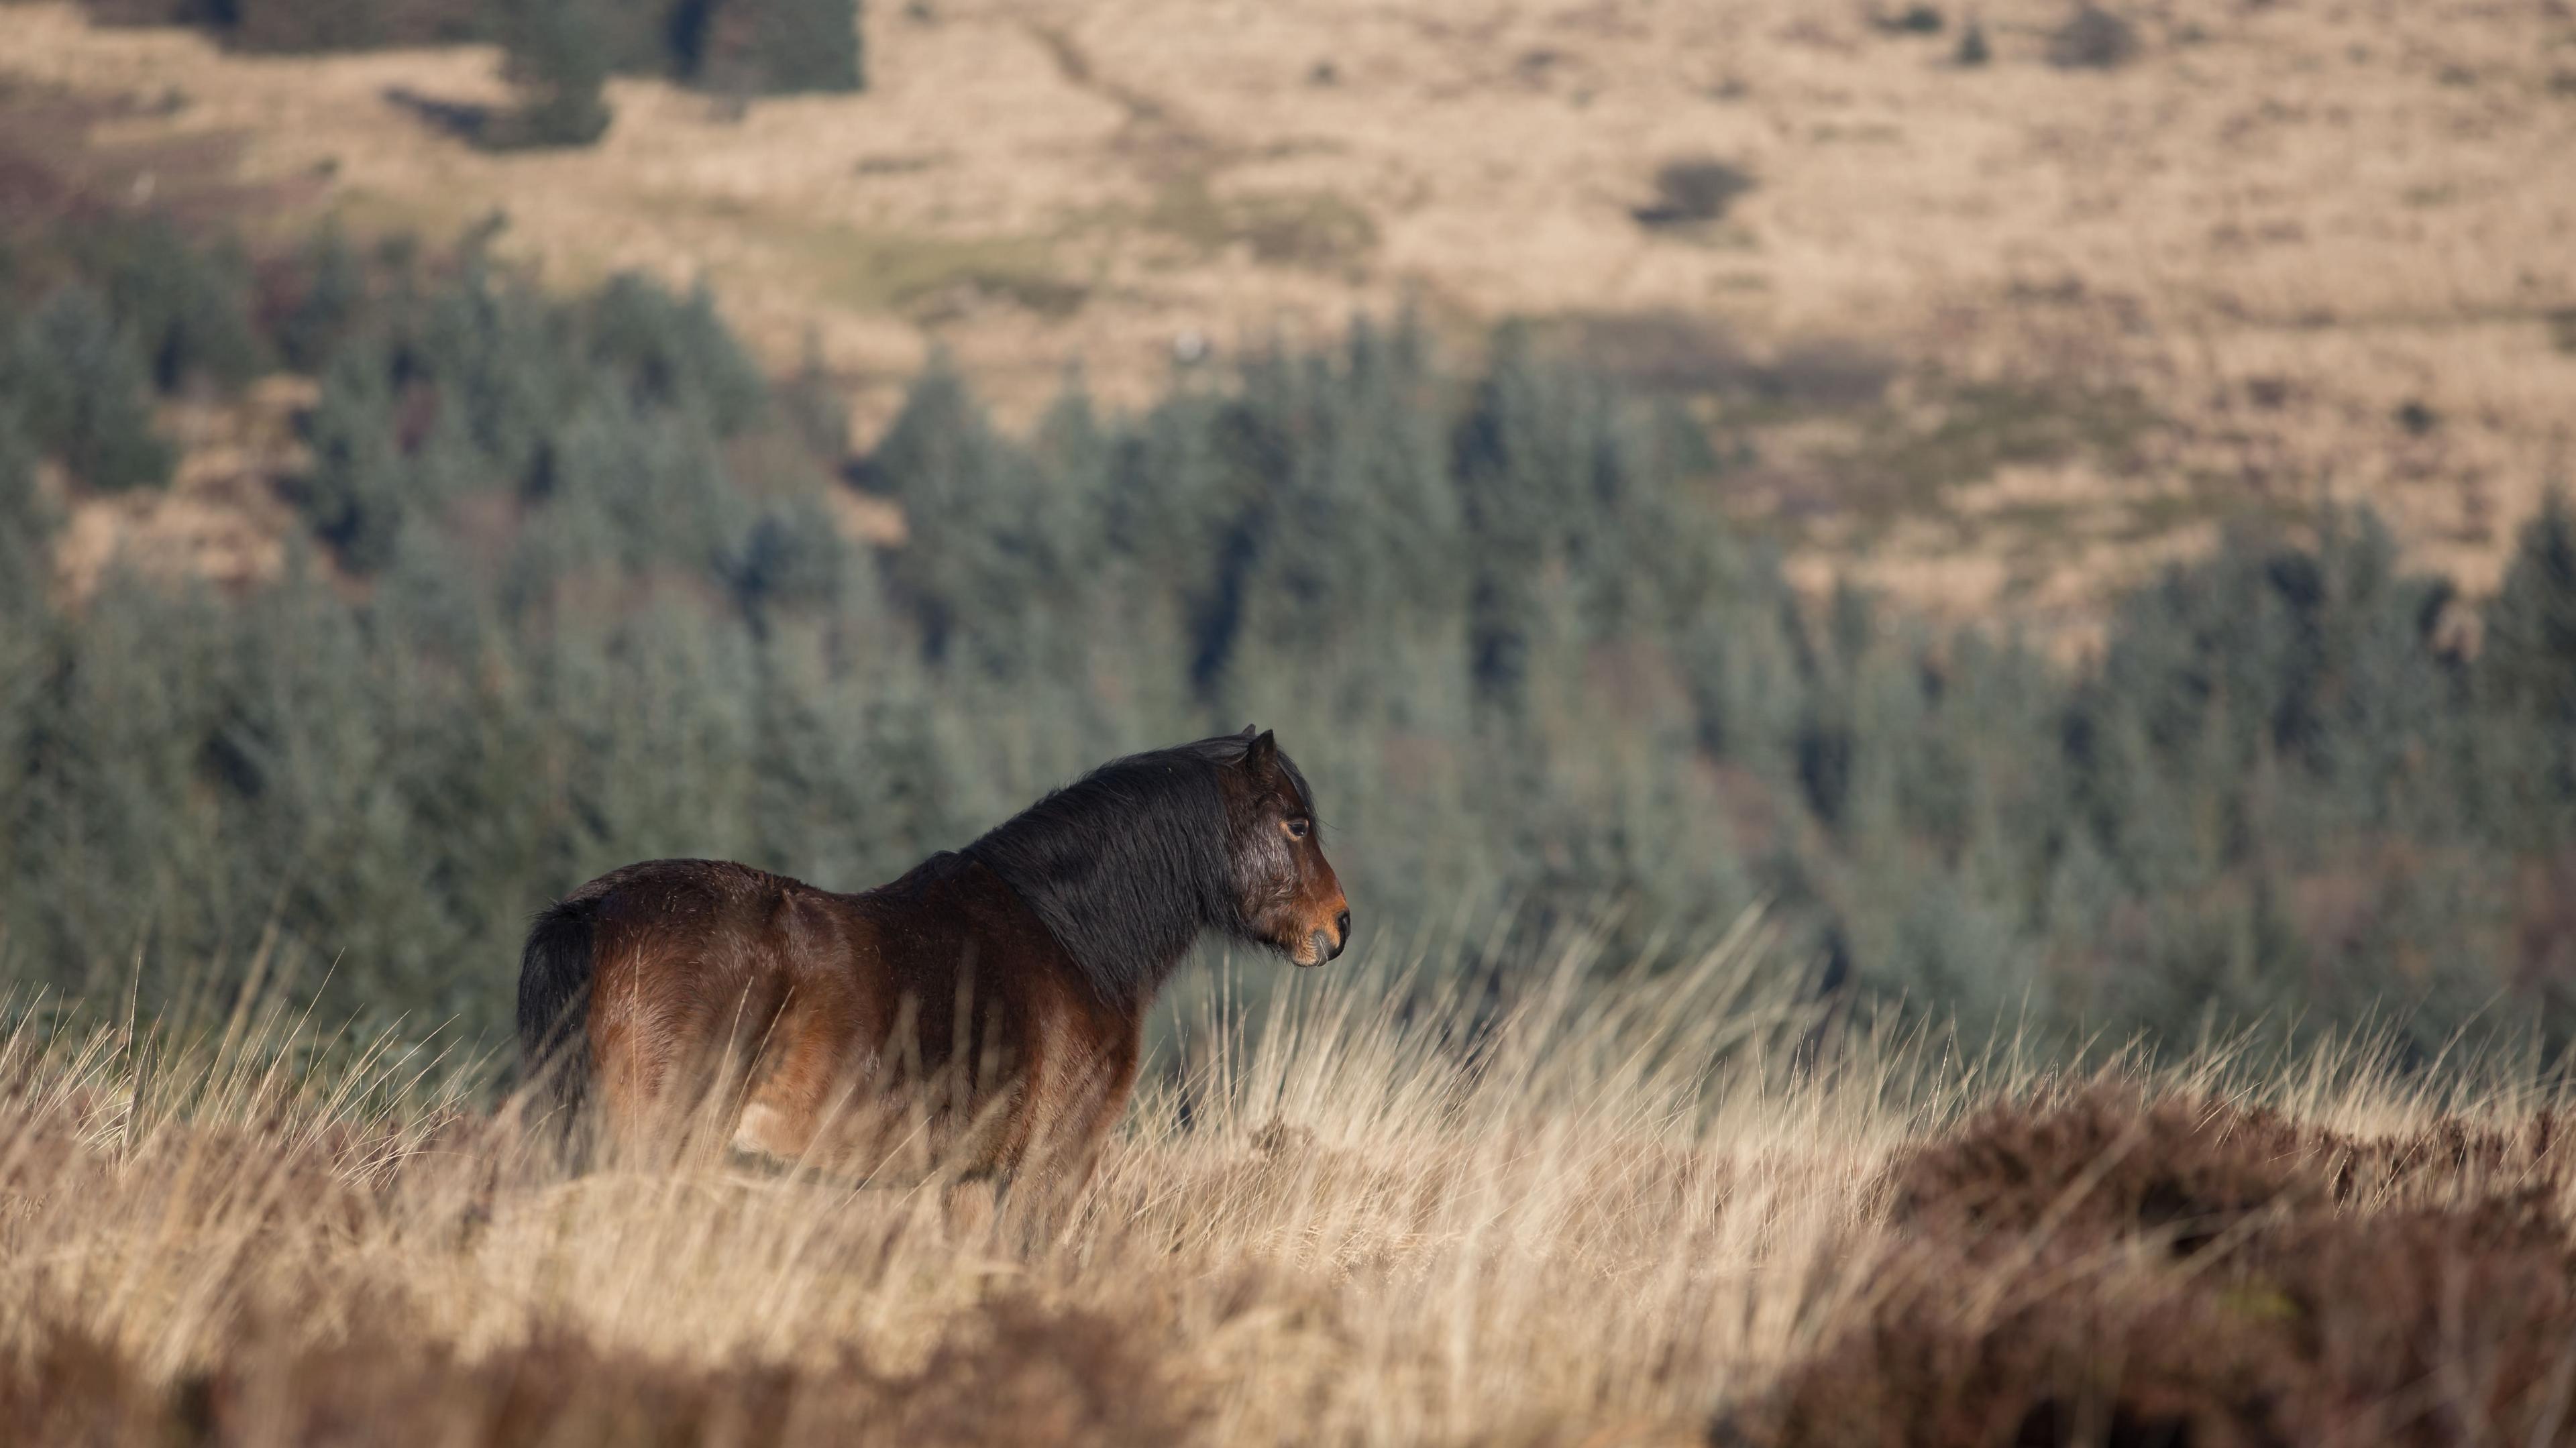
pixel 1328 943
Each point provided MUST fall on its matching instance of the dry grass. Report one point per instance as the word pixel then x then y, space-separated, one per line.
pixel 2287 230
pixel 1632 1208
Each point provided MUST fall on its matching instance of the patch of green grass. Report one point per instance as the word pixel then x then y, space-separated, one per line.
pixel 1869 133
pixel 2158 514
pixel 2034 524
pixel 1992 425
pixel 906 272
pixel 2206 497
pixel 1310 230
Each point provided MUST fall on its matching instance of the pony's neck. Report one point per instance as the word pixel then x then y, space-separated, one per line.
pixel 1126 868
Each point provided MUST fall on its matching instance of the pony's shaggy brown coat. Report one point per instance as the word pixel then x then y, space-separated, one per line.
pixel 983 1014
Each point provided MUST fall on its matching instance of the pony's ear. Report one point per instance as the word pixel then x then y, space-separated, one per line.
pixel 1248 732
pixel 1261 760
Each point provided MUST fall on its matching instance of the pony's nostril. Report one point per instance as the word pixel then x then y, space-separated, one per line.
pixel 1342 925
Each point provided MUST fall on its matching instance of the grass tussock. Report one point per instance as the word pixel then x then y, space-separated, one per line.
pixel 2136 1268
pixel 1640 1205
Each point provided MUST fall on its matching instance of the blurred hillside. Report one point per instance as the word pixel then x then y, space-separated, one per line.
pixel 393 534
pixel 543 583
pixel 1995 322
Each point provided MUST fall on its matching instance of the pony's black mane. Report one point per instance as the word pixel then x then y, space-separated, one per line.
pixel 1127 864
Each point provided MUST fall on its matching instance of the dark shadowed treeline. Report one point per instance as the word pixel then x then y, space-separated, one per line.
pixel 559 52
pixel 576 590
pixel 754 45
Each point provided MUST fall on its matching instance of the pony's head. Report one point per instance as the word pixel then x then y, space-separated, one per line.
pixel 1128 864
pixel 1286 894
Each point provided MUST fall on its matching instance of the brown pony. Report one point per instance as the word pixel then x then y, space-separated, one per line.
pixel 983 1014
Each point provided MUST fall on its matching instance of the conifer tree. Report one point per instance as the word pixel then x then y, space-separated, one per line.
pixel 2528 661
pixel 674 352
pixel 22 532
pixel 774 47
pixel 1510 461
pixel 85 395
pixel 185 306
pixel 328 304
pixel 980 557
pixel 495 354
pixel 301 26
pixel 559 56
pixel 354 492
pixel 2526 676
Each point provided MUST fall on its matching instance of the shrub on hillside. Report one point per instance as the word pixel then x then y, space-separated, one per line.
pixel 1692 190
pixel 2092 38
pixel 1974 49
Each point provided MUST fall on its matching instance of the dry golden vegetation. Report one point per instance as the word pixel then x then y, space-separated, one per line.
pixel 2275 251
pixel 1609 1207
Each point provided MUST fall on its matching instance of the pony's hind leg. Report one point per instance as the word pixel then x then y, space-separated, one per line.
pixel 801 1084
pixel 671 1078
pixel 630 1075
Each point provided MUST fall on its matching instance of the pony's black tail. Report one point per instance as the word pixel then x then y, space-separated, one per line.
pixel 554 993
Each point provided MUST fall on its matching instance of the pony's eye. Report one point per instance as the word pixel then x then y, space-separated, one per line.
pixel 1298 827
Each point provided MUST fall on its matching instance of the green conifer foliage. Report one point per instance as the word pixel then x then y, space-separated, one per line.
pixel 773 47
pixel 2526 674
pixel 560 56
pixel 330 298
pixel 608 611
pixel 303 26
pixel 185 306
pixel 560 49
pixel 982 557
pixel 85 397
pixel 354 493
pixel 23 529
pixel 2528 661
pixel 674 351
pixel 1511 467
pixel 494 356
